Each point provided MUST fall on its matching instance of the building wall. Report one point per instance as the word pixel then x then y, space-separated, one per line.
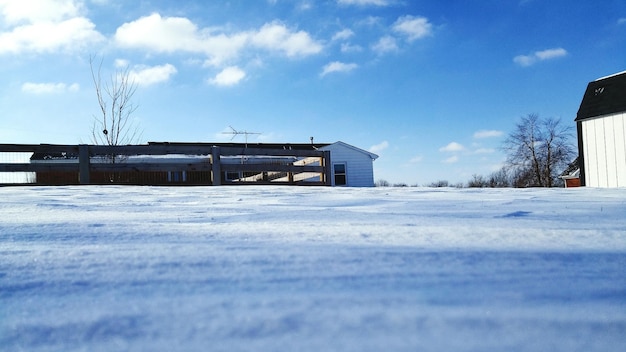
pixel 572 182
pixel 359 165
pixel 604 148
pixel 152 178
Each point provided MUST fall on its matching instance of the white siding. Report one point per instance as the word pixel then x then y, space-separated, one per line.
pixel 620 154
pixel 600 163
pixel 359 167
pixel 604 148
pixel 611 165
pixel 589 152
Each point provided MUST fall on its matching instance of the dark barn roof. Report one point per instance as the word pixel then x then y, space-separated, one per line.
pixel 603 97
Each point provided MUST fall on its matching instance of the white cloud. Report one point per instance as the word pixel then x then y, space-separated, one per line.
pixel 385 44
pixel 370 21
pixel 228 77
pixel 305 6
pixel 377 148
pixel 451 160
pixel 487 134
pixel 452 147
pixel 349 48
pixel 45 26
pixel 49 88
pixel 179 34
pixel 363 2
pixel 337 66
pixel 413 27
pixel 343 34
pixel 33 11
pixel 484 151
pixel 276 37
pixel 548 54
pixel 524 60
pixel 145 75
pixel 168 34
pixel 40 37
pixel 121 63
pixel 621 21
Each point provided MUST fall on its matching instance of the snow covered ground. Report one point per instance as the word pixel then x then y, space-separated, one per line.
pixel 312 269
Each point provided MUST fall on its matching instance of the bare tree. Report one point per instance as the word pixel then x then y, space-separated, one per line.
pixel 536 150
pixel 500 179
pixel 477 181
pixel 114 125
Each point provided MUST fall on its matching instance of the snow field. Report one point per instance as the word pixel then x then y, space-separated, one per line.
pixel 310 269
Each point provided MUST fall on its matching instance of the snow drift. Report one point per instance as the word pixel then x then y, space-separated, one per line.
pixel 309 269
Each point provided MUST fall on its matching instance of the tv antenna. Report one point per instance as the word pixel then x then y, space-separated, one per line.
pixel 235 133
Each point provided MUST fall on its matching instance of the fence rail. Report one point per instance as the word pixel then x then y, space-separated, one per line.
pixel 164 163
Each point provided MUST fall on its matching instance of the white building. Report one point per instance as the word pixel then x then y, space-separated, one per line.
pixel 601 127
pixel 352 166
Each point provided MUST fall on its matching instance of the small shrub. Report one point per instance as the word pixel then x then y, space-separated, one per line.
pixel 382 183
pixel 439 184
pixel 477 181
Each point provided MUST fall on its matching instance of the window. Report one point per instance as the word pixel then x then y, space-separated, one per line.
pixel 177 176
pixel 340 174
pixel 232 176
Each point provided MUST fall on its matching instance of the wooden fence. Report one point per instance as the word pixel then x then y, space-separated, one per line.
pixel 164 163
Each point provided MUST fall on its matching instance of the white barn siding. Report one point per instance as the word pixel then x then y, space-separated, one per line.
pixel 604 147
pixel 359 164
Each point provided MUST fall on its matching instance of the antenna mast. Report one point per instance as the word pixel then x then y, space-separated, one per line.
pixel 235 133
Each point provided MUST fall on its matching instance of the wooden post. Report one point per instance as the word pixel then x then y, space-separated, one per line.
pixel 328 167
pixel 83 167
pixel 216 169
pixel 322 174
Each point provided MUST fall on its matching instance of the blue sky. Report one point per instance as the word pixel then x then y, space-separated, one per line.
pixel 432 87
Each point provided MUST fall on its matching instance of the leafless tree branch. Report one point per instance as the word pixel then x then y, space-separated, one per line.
pixel 536 149
pixel 114 125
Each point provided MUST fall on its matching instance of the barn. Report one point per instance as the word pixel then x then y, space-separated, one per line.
pixel 601 129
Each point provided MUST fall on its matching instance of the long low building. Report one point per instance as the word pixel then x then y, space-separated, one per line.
pixel 164 163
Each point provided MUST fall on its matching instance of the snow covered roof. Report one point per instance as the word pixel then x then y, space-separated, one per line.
pixel 609 76
pixel 349 146
pixel 52 155
pixel 285 146
pixel 572 170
